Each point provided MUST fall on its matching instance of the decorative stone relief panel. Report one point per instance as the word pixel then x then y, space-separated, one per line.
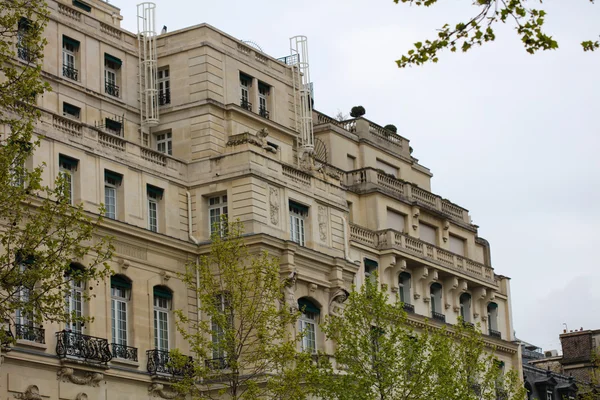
pixel 274 204
pixel 31 393
pixel 322 218
pixel 159 390
pixel 88 378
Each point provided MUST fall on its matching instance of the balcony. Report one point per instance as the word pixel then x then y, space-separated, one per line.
pixel 263 112
pixel 217 364
pixel 369 179
pixel 111 90
pixel 76 345
pixel 409 308
pixel 70 72
pixel 495 334
pixel 164 97
pixel 30 333
pixel 438 316
pixel 391 239
pixel 159 362
pixel 124 352
pixel 245 104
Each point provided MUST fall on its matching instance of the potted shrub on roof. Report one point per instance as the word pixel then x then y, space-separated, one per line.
pixel 357 111
pixel 391 128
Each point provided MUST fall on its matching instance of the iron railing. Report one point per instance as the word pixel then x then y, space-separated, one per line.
pixel 217 363
pixel 110 89
pixel 164 97
pixel 438 316
pixel 24 53
pixel 70 72
pixel 31 333
pixel 263 112
pixel 161 362
pixel 246 104
pixel 409 308
pixel 124 352
pixel 495 334
pixel 89 348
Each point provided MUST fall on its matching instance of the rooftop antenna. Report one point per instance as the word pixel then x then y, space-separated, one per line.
pixel 253 44
pixel 302 94
pixel 147 69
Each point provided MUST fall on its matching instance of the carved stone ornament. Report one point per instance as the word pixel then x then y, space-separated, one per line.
pixel 81 396
pixel 336 304
pixel 475 315
pixel 158 390
pixel 447 306
pixel 416 296
pixel 427 299
pixel 322 217
pixel 456 309
pixel 312 287
pixel 31 393
pixel 289 291
pixel 89 378
pixel 274 203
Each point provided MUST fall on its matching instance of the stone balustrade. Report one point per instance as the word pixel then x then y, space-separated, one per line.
pixel 391 239
pixel 365 179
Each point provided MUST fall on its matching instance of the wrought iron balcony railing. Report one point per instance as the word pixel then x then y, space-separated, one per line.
pixel 160 362
pixel 246 104
pixel 409 308
pixel 124 352
pixel 263 112
pixel 70 72
pixel 110 89
pixel 217 363
pixel 495 334
pixel 164 97
pixel 24 54
pixel 438 316
pixel 89 348
pixel 31 333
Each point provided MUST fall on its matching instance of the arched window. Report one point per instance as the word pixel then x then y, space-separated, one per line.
pixel 308 324
pixel 492 310
pixel 120 294
pixel 436 302
pixel 404 287
pixel 465 307
pixel 163 297
pixel 75 298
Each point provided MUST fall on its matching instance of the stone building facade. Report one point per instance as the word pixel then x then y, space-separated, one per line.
pixel 226 143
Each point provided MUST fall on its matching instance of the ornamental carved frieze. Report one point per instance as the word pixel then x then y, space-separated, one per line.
pixel 274 205
pixel 159 390
pixel 322 218
pixel 93 379
pixel 31 393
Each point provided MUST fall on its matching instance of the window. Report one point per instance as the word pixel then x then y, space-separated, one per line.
pixel 23 51
pixel 113 126
pixel 465 307
pixel 120 293
pixel 370 269
pixel 164 87
pixel 350 163
pixel 387 168
pixel 245 84
pixel 298 214
pixel 308 324
pixel 24 318
pixel 82 5
pixel 549 395
pixel 217 212
pixel 404 287
pixel 263 96
pixel 17 173
pixel 395 220
pixel 75 300
pixel 457 245
pixel 111 66
pixel 428 233
pixel 162 304
pixel 492 310
pixel 70 110
pixel 164 143
pixel 68 167
pixel 436 301
pixel 154 196
pixel 112 181
pixel 219 327
pixel 70 49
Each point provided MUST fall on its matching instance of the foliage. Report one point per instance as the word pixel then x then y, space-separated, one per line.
pixel 42 234
pixel 479 29
pixel 357 111
pixel 379 356
pixel 391 128
pixel 340 116
pixel 590 389
pixel 244 345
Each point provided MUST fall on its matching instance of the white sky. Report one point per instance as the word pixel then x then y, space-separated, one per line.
pixel 513 138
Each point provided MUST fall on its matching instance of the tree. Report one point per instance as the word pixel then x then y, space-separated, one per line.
pixel 244 346
pixel 41 234
pixel 479 29
pixel 379 356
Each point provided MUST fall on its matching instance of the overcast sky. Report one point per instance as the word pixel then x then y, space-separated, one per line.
pixel 512 137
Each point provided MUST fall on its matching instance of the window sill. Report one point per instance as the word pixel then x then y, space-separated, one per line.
pixel 122 361
pixel 29 343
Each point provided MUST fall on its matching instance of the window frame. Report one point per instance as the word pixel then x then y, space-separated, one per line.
pixel 164 139
pixel 152 212
pixel 75 301
pixel 111 187
pixel 465 308
pixel 161 336
pixel 218 332
pixel 217 207
pixel 119 296
pixel 404 287
pixel 67 168
pixel 163 83
pixel 308 323
pixel 298 216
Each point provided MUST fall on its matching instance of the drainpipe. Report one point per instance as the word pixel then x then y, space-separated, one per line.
pixel 195 241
